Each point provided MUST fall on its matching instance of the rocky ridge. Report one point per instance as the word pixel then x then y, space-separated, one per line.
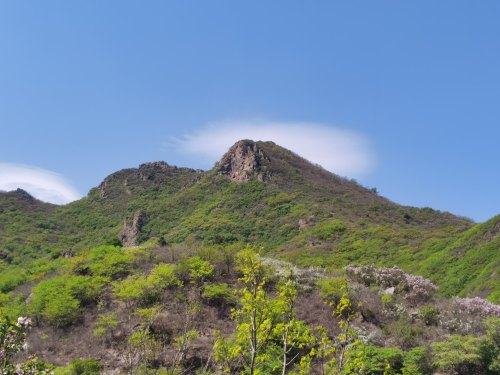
pixel 244 161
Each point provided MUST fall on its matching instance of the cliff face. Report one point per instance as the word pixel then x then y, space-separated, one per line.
pixel 245 161
pixel 130 231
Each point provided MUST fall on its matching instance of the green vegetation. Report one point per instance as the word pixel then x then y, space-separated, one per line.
pixel 181 296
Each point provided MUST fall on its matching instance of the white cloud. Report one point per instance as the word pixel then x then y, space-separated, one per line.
pixel 42 184
pixel 341 151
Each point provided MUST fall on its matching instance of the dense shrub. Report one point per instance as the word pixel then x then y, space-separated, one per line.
pixel 11 278
pixel 142 290
pixel 328 230
pixel 458 355
pixel 110 261
pixel 218 293
pixel 133 290
pixel 416 362
pixel 476 307
pixel 58 299
pixel 415 289
pixel 163 276
pixel 85 366
pixel 378 358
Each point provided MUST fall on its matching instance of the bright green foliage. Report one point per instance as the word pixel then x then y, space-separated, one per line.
pixel 416 362
pixel 405 333
pixel 328 230
pixel 199 270
pixel 296 337
pixel 138 289
pixel 458 354
pixel 143 349
pixel 377 360
pixel 331 288
pixel 324 351
pixel 132 290
pixel 105 324
pixel 387 299
pixel 85 367
pixel 182 343
pixel 110 261
pixel 10 278
pixel 58 299
pixel 255 316
pixel 227 352
pixel 61 310
pixel 11 305
pixel 346 223
pixel 254 319
pixel 349 356
pixel 218 293
pixel 162 276
pixel 491 348
pixel 86 289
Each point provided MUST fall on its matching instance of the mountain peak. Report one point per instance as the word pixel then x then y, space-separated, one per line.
pixel 21 195
pixel 245 161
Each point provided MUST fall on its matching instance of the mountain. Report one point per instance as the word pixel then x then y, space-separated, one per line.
pixel 166 270
pixel 263 194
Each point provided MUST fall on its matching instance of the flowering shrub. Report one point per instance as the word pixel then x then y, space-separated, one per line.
pixel 12 341
pixel 416 288
pixel 476 307
pixel 466 315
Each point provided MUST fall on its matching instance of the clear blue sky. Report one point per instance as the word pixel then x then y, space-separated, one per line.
pixel 90 87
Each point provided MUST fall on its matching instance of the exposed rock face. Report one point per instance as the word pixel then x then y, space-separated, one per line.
pixel 130 231
pixel 245 161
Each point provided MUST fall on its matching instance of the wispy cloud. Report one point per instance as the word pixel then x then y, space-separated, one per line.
pixel 341 151
pixel 45 185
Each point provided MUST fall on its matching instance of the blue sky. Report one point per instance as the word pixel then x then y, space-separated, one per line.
pixel 403 96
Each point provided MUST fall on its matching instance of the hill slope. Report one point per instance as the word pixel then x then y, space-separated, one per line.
pixel 263 194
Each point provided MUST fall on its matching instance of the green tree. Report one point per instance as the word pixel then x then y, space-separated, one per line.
pixel 295 334
pixel 346 353
pixel 254 318
pixel 199 271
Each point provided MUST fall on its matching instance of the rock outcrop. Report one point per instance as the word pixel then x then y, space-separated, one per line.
pixel 245 161
pixel 131 230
